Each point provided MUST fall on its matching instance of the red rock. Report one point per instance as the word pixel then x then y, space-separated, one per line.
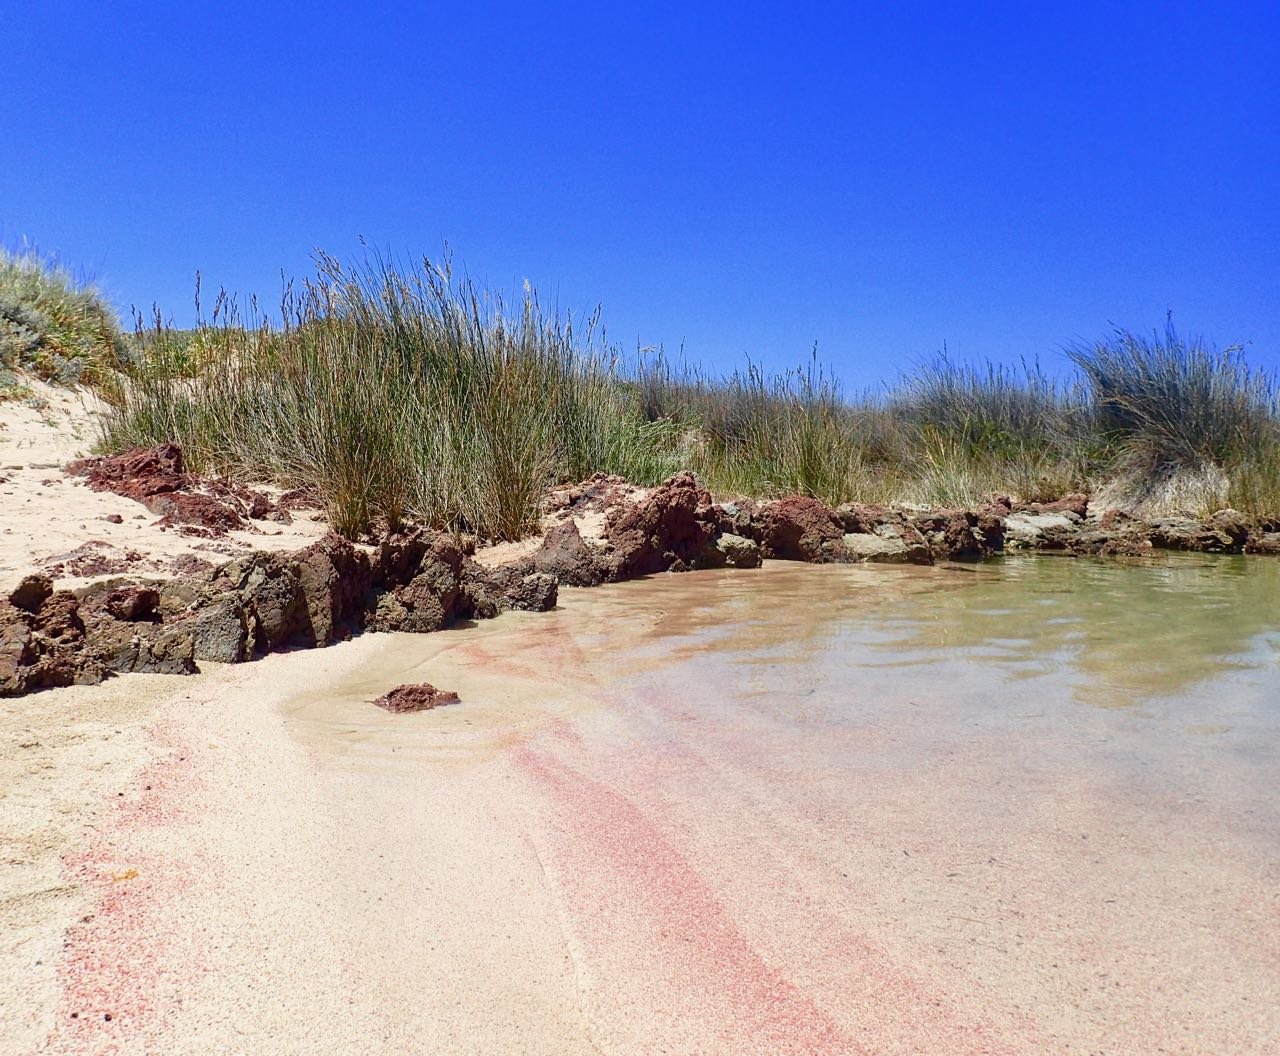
pixel 419 697
pixel 156 477
pixel 799 528
pixel 669 528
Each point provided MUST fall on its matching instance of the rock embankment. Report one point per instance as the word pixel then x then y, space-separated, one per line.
pixel 328 591
pixel 603 530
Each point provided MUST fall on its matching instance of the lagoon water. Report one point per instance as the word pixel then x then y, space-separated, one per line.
pixel 1026 806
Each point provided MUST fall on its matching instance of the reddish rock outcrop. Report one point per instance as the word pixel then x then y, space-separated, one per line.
pixel 666 530
pixel 419 697
pixel 799 528
pixel 157 478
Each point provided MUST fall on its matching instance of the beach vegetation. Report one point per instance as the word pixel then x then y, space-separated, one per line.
pixel 55 326
pixel 409 391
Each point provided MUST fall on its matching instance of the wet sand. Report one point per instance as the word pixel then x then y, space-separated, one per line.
pixel 1028 808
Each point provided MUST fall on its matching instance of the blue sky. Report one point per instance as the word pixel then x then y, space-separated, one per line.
pixel 742 180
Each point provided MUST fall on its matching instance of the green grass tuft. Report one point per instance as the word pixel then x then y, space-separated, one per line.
pixel 407 392
pixel 55 328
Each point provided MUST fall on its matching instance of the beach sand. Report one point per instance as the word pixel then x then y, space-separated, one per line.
pixel 48 517
pixel 672 816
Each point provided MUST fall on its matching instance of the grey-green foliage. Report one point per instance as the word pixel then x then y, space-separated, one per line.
pixel 54 327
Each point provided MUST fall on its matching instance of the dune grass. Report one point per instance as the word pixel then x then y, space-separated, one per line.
pixel 409 392
pixel 54 327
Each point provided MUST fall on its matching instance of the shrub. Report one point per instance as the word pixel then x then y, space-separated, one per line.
pixel 53 327
pixel 1166 401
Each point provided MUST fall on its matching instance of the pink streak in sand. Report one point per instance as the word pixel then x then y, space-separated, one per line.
pixel 766 1007
pixel 766 1010
pixel 125 963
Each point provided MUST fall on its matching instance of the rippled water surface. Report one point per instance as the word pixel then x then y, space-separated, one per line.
pixel 1034 801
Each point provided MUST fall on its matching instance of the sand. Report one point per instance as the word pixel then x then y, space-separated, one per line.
pixel 660 820
pixel 46 515
pixel 793 810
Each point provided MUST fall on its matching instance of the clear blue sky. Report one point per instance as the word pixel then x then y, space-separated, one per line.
pixel 743 179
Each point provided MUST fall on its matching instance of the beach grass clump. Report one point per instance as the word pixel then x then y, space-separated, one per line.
pixel 55 327
pixel 1183 420
pixel 401 392
pixel 1169 401
pixel 397 392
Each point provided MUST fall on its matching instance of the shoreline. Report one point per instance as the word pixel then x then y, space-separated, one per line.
pixel 412 579
pixel 590 852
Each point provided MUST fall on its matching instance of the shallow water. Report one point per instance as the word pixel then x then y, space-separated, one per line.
pixel 1030 805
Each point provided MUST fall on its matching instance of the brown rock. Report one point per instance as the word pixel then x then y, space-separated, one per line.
pixel 1075 503
pixel 958 535
pixel 1222 534
pixel 861 519
pixel 669 528
pixel 133 603
pixel 490 591
pixel 420 697
pixel 421 577
pixel 31 593
pixel 569 558
pixel 335 579
pixel 299 499
pixel 799 528
pixel 728 550
pixel 1263 542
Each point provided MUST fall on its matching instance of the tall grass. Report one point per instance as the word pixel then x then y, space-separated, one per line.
pixel 53 326
pixel 410 392
pixel 1173 401
pixel 395 391
pixel 1178 414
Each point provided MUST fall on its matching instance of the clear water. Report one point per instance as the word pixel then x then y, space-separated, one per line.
pixel 1026 806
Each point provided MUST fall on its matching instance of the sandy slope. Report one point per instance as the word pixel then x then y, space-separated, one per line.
pixel 45 515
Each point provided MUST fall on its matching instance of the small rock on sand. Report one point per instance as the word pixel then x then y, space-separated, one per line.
pixel 419 697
